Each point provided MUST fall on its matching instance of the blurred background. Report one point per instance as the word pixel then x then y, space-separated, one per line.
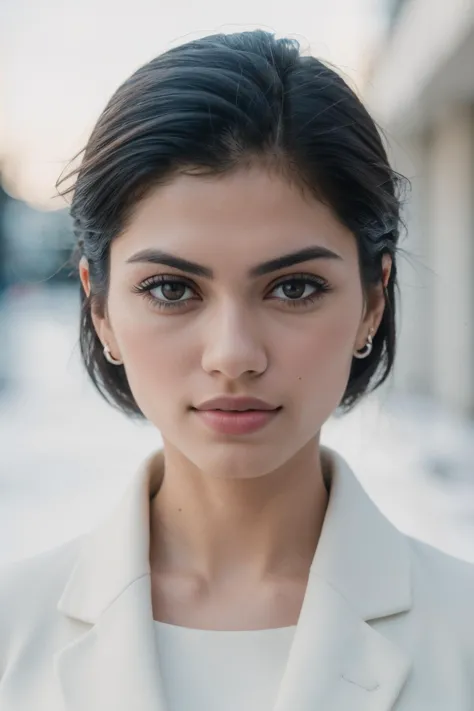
pixel 65 455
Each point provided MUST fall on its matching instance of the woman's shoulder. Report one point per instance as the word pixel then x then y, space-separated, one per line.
pixel 32 585
pixel 40 566
pixel 445 584
pixel 433 563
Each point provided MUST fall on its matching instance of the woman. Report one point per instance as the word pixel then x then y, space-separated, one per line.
pixel 237 223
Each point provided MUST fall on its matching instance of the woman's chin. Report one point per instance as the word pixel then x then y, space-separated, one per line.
pixel 231 461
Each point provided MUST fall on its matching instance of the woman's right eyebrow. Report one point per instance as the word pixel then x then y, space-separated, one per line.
pixel 156 256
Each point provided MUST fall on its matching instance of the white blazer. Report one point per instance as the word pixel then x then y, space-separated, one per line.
pixel 387 622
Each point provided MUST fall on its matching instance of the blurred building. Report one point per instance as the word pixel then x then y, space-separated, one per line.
pixel 35 251
pixel 4 199
pixel 39 244
pixel 4 333
pixel 420 89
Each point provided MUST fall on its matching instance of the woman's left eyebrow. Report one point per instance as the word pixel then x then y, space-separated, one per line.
pixel 156 256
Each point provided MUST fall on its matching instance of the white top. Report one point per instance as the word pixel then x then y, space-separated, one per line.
pixel 208 670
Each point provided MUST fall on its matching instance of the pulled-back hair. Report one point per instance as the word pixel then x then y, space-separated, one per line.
pixel 221 103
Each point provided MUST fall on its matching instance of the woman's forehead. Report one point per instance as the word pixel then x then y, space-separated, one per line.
pixel 246 216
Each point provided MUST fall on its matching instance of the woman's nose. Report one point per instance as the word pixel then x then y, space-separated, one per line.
pixel 233 344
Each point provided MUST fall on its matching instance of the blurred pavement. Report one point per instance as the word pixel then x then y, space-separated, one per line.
pixel 66 456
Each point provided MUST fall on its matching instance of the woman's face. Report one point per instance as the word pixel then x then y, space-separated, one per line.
pixel 231 326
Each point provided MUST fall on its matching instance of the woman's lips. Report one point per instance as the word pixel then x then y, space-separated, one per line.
pixel 237 422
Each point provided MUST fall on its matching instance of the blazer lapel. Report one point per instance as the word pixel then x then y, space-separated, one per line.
pixel 337 661
pixel 360 573
pixel 114 664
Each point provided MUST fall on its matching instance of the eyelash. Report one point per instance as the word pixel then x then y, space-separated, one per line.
pixel 146 287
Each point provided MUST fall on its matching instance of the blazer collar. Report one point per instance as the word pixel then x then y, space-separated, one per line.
pixel 360 572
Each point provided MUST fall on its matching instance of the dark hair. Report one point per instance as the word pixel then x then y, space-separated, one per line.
pixel 220 103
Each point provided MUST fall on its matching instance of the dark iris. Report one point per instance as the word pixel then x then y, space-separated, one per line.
pixel 173 290
pixel 294 289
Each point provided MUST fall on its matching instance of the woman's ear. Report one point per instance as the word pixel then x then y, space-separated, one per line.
pixel 375 304
pixel 377 299
pixel 386 269
pixel 101 322
pixel 84 275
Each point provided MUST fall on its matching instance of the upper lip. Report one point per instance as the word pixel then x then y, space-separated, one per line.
pixel 235 403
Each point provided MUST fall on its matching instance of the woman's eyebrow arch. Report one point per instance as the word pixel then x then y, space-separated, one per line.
pixel 157 256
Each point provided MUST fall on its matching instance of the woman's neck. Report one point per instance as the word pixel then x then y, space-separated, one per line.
pixel 215 530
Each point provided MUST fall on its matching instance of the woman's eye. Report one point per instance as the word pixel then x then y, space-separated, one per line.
pixel 301 290
pixel 164 292
pixel 295 289
pixel 171 291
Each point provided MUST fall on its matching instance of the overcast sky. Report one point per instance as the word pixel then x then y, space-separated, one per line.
pixel 60 60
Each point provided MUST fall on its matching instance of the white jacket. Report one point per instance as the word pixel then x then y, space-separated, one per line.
pixel 387 622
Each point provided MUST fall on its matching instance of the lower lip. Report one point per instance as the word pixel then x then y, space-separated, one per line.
pixel 237 422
